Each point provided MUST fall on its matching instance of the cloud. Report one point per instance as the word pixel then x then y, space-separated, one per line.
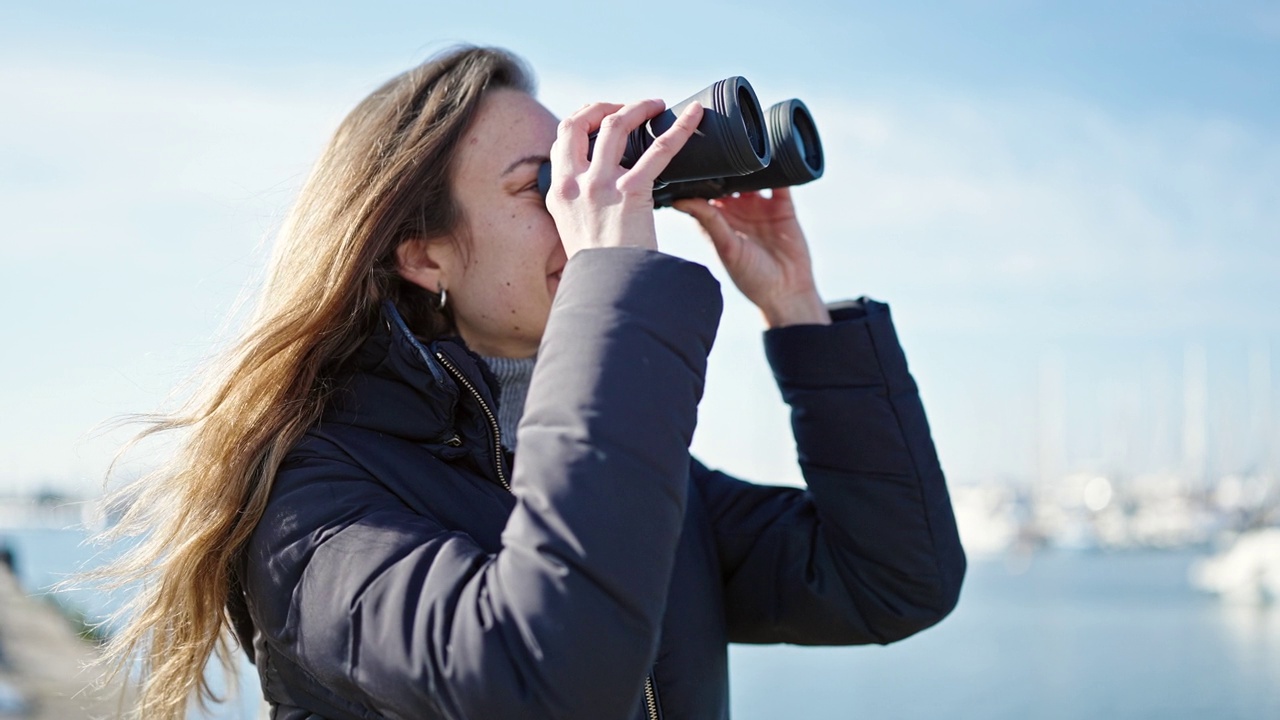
pixel 1001 229
pixel 1040 200
pixel 1263 20
pixel 137 199
pixel 100 149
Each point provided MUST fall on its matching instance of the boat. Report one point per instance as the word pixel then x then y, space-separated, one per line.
pixel 1247 572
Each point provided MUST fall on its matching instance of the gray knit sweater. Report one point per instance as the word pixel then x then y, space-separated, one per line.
pixel 513 379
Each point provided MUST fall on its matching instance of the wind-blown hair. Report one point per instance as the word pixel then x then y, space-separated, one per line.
pixel 383 179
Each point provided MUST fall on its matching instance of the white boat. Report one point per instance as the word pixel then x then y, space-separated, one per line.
pixel 1248 572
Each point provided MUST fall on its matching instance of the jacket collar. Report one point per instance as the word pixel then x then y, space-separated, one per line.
pixel 399 385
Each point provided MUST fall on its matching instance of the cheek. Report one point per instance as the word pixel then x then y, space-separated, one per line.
pixel 544 229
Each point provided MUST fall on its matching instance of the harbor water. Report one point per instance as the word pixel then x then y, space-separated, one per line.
pixel 1051 635
pixel 1054 635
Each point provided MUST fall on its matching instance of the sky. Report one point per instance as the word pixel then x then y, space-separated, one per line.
pixel 1072 208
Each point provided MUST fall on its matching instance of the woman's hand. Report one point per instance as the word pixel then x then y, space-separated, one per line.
pixel 597 202
pixel 760 242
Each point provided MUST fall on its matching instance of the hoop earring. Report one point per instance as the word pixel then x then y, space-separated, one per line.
pixel 443 300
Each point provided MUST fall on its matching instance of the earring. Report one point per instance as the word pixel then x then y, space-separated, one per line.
pixel 444 299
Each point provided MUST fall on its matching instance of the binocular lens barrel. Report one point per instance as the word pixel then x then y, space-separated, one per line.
pixel 736 148
pixel 797 159
pixel 731 139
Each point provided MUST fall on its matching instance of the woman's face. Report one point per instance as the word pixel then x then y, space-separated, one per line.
pixel 502 275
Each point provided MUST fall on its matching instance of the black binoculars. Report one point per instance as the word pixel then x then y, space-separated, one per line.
pixel 737 147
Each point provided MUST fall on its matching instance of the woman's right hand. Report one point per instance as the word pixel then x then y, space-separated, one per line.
pixel 597 202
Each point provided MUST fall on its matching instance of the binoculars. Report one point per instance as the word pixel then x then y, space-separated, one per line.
pixel 738 147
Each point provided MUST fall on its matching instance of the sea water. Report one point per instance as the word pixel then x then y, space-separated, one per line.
pixel 1052 635
pixel 48 562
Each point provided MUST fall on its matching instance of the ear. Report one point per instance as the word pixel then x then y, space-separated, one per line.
pixel 426 262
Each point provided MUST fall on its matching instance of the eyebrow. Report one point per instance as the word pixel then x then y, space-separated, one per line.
pixel 526 160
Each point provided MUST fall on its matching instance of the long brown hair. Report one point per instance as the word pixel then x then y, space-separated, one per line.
pixel 382 180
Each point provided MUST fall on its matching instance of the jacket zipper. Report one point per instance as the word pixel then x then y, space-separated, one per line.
pixel 496 431
pixel 651 698
pixel 650 689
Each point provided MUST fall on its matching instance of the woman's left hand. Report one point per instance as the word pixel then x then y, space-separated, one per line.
pixel 760 242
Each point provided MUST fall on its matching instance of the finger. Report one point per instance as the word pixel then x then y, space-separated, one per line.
pixel 706 212
pixel 614 129
pixel 698 208
pixel 740 200
pixel 665 146
pixel 569 151
pixel 722 235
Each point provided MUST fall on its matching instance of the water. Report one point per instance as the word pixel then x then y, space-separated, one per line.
pixel 46 557
pixel 1067 636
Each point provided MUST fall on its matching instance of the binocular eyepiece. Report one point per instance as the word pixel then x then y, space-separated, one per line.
pixel 736 148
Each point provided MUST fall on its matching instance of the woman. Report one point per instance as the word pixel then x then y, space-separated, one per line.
pixel 354 500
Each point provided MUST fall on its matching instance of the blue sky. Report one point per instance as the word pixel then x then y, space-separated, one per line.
pixel 1062 199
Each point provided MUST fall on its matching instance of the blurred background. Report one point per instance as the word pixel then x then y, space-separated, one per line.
pixel 1072 208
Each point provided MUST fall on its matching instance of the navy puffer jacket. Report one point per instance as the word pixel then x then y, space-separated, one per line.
pixel 395 575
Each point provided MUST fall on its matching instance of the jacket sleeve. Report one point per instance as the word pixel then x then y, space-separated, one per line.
pixel 869 552
pixel 564 621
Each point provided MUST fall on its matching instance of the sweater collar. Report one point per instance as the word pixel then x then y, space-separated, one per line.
pixel 513 375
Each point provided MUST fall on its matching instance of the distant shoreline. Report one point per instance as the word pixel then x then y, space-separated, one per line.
pixel 47 663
